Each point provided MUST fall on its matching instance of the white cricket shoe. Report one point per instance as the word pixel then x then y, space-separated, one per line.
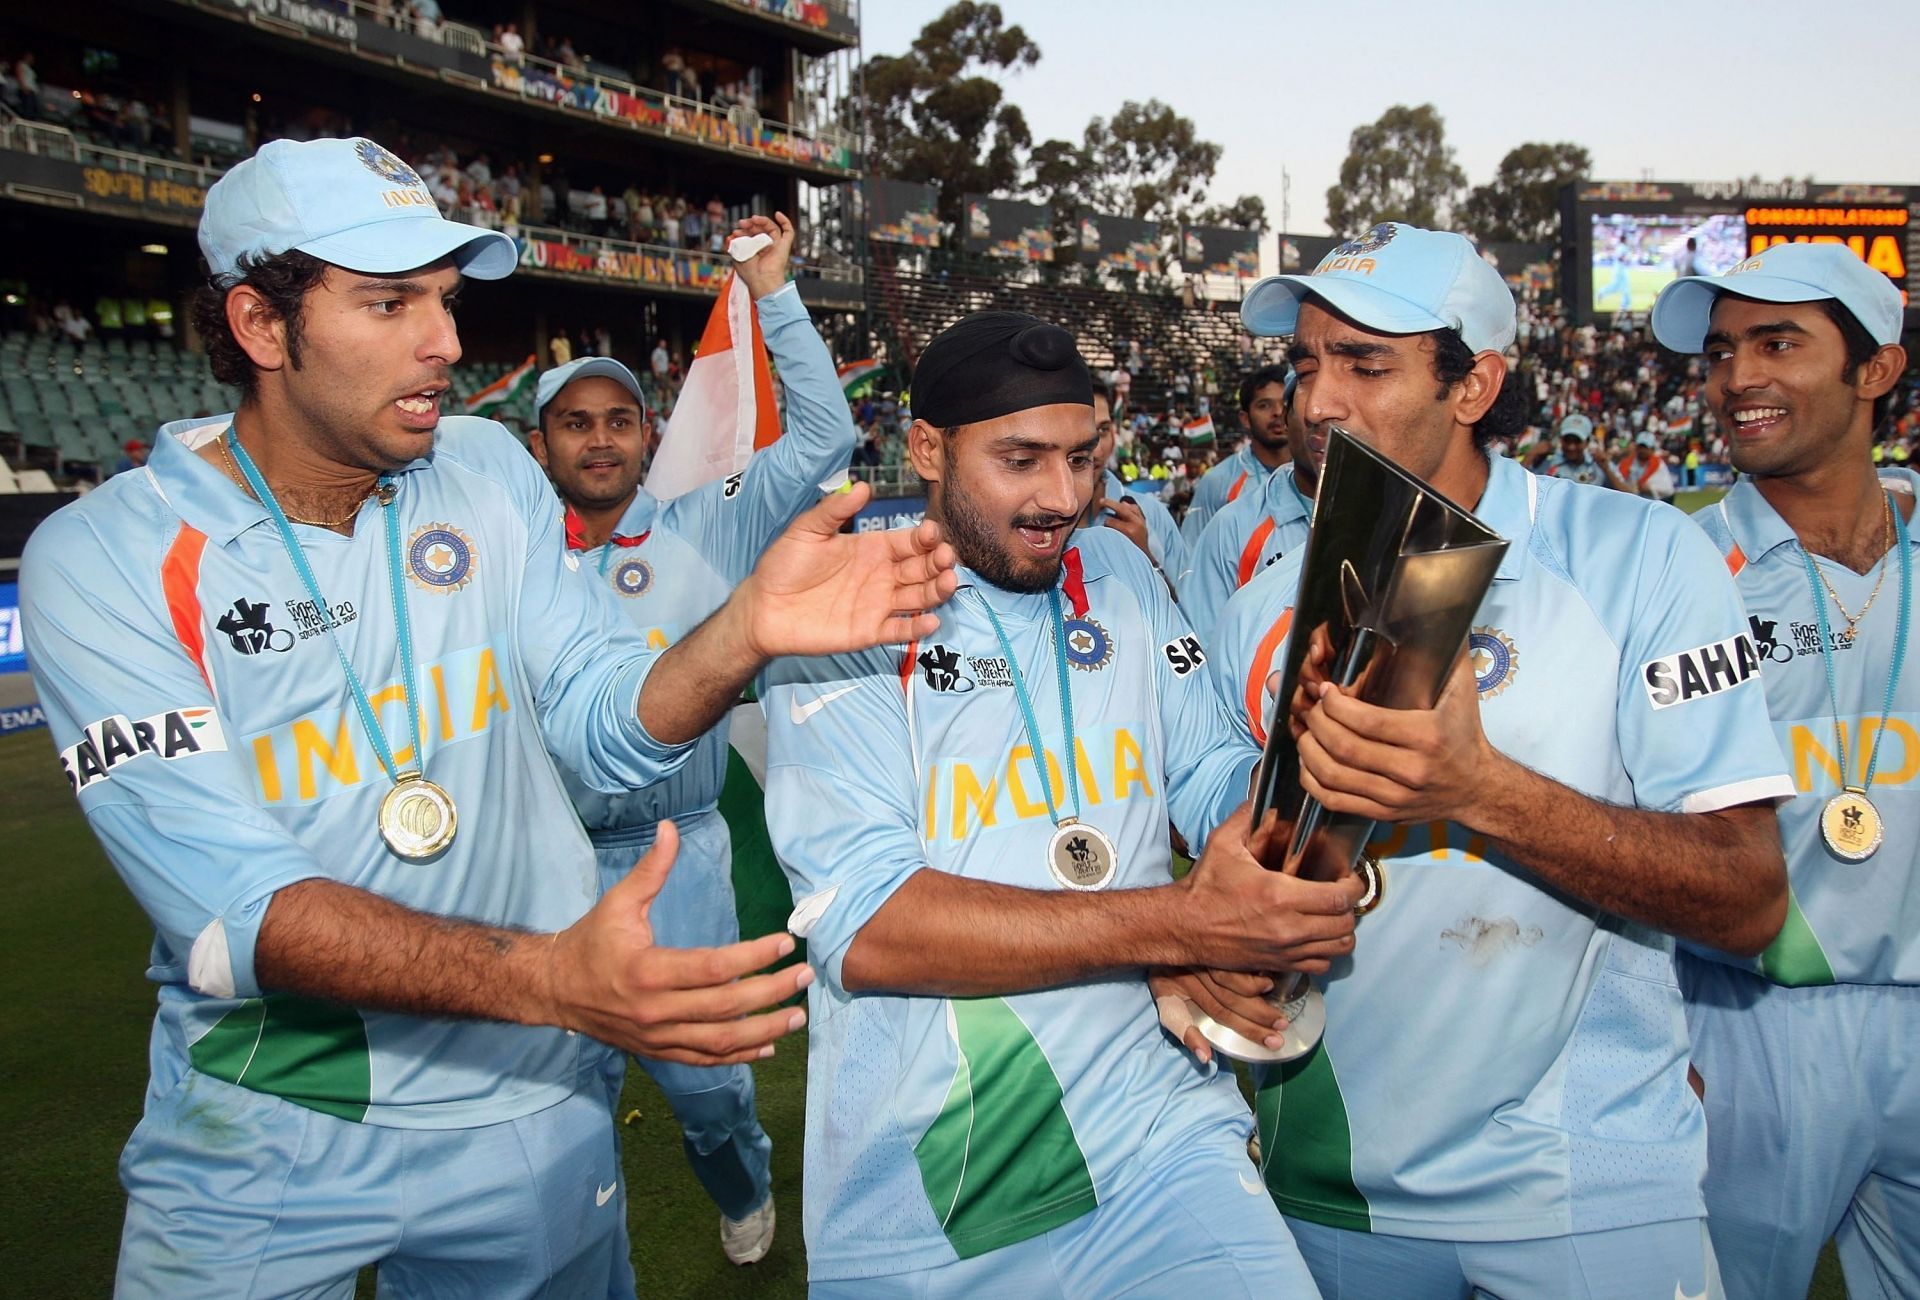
pixel 747 1240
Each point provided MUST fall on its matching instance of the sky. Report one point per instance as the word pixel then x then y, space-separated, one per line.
pixel 1674 89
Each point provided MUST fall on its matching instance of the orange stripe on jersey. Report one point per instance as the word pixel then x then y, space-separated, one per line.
pixel 1736 560
pixel 180 583
pixel 906 666
pixel 1238 483
pixel 1258 670
pixel 1250 555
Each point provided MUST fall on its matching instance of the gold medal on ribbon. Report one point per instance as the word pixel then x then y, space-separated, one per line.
pixel 1081 856
pixel 1850 825
pixel 417 818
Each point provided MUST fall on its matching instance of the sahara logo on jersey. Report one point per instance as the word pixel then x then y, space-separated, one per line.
pixel 106 744
pixel 1183 654
pixel 1702 671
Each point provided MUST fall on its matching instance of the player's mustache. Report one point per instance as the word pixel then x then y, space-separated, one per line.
pixel 1041 521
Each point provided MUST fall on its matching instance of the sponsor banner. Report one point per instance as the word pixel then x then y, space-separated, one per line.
pixel 1220 250
pixel 103 187
pixel 1004 228
pixel 634 264
pixel 833 18
pixel 1118 243
pixel 21 717
pixel 900 212
pixel 13 648
pixel 895 512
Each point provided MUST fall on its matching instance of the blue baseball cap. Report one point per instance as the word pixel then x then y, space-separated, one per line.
pixel 552 381
pixel 1683 313
pixel 1396 279
pixel 1576 426
pixel 348 202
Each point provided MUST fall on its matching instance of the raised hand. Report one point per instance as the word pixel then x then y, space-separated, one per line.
pixel 766 270
pixel 611 981
pixel 819 591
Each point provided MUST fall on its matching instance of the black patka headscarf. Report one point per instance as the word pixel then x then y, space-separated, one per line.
pixel 994 363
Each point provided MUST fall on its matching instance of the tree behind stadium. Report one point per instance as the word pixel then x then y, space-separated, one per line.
pixel 1521 204
pixel 1399 168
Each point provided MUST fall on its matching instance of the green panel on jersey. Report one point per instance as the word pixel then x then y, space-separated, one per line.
pixel 1795 957
pixel 1306 1146
pixel 310 1052
pixel 1000 1162
pixel 761 896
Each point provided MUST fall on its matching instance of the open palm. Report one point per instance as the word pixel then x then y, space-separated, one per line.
pixel 819 591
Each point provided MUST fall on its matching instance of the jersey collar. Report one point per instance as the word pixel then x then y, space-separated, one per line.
pixel 1756 527
pixel 1508 506
pixel 198 492
pixel 1072 586
pixel 1283 500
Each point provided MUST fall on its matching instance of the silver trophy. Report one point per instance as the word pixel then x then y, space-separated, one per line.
pixel 1393 575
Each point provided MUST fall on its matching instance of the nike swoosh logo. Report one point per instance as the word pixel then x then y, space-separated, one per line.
pixel 602 1195
pixel 1251 1186
pixel 1679 1294
pixel 799 713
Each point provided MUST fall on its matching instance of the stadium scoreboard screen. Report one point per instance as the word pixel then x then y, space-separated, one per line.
pixel 1623 241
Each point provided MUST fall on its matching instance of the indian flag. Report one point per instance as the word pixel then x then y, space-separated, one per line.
pixel 1200 430
pixel 857 376
pixel 1681 428
pixel 726 411
pixel 503 390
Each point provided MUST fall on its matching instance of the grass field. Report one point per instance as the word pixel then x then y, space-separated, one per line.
pixel 75 1015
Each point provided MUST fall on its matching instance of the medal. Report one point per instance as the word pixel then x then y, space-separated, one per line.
pixel 1849 823
pixel 1079 855
pixel 417 818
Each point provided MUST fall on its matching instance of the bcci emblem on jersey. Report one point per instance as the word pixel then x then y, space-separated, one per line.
pixel 441 558
pixel 1088 645
pixel 633 578
pixel 1495 661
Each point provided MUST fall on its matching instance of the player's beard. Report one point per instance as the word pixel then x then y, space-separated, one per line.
pixel 981 546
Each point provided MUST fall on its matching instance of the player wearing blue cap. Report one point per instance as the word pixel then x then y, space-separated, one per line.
pixel 1257 527
pixel 1574 461
pixel 992 1108
pixel 1499 1104
pixel 1807 1052
pixel 309 672
pixel 1141 517
pixel 1263 403
pixel 671 564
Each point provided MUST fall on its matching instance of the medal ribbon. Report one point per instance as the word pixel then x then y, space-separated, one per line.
pixel 1026 705
pixel 1899 648
pixel 375 735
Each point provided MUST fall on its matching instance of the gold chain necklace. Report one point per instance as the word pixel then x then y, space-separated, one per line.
pixel 1821 569
pixel 348 517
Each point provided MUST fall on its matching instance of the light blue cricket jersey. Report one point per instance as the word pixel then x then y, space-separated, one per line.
pixel 1248 534
pixel 694 550
pixel 1168 547
pixel 1219 485
pixel 1501 1062
pixel 944 1128
pixel 1847 922
pixel 205 723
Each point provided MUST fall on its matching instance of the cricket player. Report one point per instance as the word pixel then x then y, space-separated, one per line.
pixel 1140 516
pixel 975 825
pixel 309 672
pixel 1806 1053
pixel 1255 528
pixel 670 564
pixel 1499 1104
pixel 1263 402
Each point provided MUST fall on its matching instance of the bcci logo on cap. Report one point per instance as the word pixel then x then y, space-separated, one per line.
pixel 441 558
pixel 1352 255
pixel 385 165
